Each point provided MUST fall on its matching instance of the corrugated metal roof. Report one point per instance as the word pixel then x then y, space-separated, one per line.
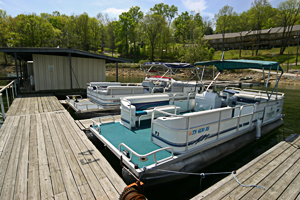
pixel 244 33
pixel 25 53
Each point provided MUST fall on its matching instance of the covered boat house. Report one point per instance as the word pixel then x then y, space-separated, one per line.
pixel 52 69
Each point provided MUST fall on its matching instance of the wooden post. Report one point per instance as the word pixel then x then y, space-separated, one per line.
pixel 70 61
pixel 16 64
pixel 117 74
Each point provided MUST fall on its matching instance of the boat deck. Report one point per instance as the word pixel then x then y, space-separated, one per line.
pixel 138 140
pixel 278 170
pixel 44 155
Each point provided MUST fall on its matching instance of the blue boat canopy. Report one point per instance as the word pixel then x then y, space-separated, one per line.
pixel 170 65
pixel 242 64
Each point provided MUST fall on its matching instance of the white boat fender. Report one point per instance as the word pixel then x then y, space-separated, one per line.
pixel 258 129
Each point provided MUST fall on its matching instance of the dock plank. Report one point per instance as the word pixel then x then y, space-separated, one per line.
pixel 260 174
pixel 21 182
pixel 55 173
pixel 76 171
pixel 105 166
pixel 275 175
pixel 84 157
pixel 69 182
pixel 33 163
pixel 278 188
pixel 10 174
pixel 44 171
pixel 5 157
pixel 45 155
pixel 219 191
pixel 275 169
pixel 5 133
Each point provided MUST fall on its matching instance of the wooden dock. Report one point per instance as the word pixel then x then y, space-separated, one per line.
pixel 44 155
pixel 278 170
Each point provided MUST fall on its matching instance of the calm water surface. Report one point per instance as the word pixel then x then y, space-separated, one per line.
pixel 190 186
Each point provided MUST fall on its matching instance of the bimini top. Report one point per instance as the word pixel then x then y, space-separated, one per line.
pixel 169 65
pixel 242 64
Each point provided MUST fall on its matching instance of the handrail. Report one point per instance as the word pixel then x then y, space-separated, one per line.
pixel 212 123
pixel 148 154
pixel 212 111
pixel 13 86
pixel 251 90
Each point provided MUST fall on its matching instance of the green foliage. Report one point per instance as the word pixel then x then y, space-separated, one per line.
pixel 161 35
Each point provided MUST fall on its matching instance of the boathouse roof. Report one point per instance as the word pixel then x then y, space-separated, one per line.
pixel 25 53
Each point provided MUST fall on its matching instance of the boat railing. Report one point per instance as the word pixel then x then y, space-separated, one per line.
pixel 101 88
pixel 252 90
pixel 13 86
pixel 144 156
pixel 98 124
pixel 219 121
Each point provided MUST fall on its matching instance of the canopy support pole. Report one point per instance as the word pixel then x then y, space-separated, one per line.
pixel 266 86
pixel 276 85
pixel 213 81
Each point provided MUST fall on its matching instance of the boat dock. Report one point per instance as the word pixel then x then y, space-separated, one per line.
pixel 277 170
pixel 45 155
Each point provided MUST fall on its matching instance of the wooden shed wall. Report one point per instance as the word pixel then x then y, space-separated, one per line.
pixel 53 72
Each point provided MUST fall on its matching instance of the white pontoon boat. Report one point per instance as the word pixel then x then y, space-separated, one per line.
pixel 158 79
pixel 157 133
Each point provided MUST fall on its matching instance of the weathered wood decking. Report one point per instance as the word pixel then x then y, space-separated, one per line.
pixel 44 155
pixel 278 170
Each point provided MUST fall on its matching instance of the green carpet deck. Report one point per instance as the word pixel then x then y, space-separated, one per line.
pixel 138 140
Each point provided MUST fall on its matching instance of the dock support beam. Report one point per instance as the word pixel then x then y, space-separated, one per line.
pixel 16 64
pixel 70 61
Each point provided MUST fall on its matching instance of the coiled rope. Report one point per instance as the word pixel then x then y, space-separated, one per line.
pixel 202 175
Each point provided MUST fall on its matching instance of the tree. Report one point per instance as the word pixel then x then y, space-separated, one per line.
pixel 207 23
pixel 111 36
pixel 259 12
pixel 241 26
pixel 185 25
pixel 165 10
pixel 126 28
pixel 288 16
pixel 4 32
pixel 222 21
pixel 153 26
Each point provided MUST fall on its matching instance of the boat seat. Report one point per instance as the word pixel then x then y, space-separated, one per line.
pixel 142 107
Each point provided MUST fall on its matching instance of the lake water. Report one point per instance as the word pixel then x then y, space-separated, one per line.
pixel 190 186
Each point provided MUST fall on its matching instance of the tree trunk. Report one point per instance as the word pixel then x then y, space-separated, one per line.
pixel 152 52
pixel 257 42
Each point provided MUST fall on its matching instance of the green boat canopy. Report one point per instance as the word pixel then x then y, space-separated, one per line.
pixel 242 64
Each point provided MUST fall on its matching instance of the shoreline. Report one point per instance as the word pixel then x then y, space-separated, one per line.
pixel 246 76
